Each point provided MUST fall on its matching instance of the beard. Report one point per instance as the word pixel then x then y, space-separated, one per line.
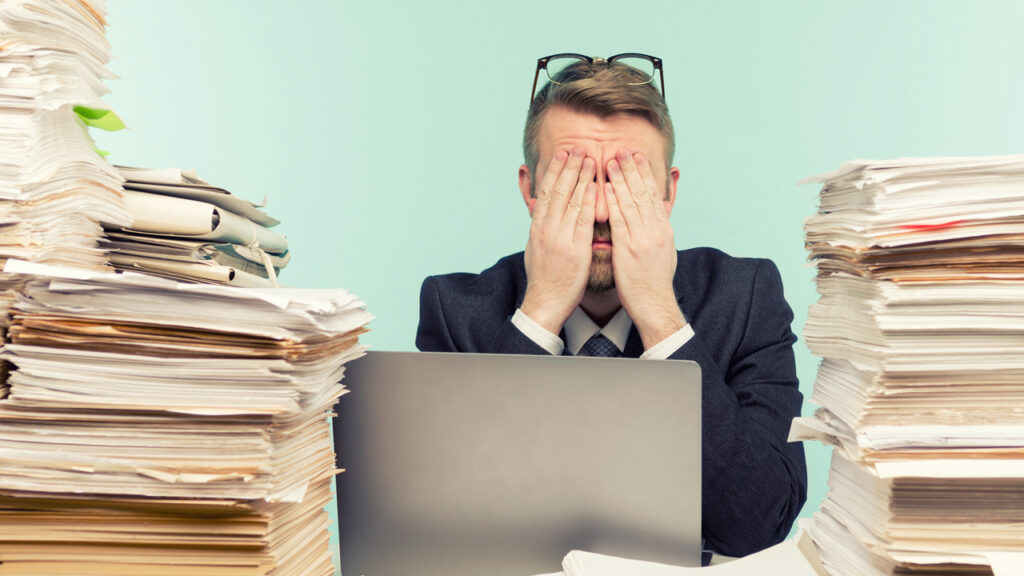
pixel 601 278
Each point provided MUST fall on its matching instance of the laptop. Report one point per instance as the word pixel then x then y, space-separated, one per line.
pixel 479 464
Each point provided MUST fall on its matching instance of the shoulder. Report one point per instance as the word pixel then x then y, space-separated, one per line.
pixel 496 288
pixel 737 307
pixel 716 289
pixel 714 259
pixel 505 272
pixel 463 312
pixel 700 269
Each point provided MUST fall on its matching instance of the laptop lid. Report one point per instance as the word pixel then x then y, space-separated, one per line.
pixel 501 464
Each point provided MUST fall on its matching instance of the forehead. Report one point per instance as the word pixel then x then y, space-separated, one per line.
pixel 563 127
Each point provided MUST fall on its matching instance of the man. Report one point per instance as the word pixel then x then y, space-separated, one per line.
pixel 601 276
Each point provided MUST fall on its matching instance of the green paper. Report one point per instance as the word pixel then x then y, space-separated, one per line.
pixel 99 118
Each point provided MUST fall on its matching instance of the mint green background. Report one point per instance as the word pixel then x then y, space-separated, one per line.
pixel 386 135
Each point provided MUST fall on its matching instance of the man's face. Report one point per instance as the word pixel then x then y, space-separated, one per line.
pixel 561 129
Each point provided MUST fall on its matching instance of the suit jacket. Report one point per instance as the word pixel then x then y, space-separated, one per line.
pixel 754 482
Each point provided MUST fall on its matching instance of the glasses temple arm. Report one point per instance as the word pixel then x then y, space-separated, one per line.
pixel 533 91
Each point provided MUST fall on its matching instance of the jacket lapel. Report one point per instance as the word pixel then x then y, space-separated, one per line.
pixel 634 345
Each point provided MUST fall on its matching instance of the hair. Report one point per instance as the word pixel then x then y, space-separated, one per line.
pixel 608 92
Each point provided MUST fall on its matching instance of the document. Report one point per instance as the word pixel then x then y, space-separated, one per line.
pixel 55 190
pixel 920 327
pixel 131 248
pixel 187 184
pixel 147 426
pixel 173 216
pixel 784 558
pixel 183 229
pixel 194 411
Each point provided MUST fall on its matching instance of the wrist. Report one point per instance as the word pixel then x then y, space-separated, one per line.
pixel 546 316
pixel 659 324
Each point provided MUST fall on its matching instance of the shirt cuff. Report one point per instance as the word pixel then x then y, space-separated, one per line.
pixel 662 350
pixel 539 334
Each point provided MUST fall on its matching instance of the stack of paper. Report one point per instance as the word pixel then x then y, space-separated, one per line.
pixel 183 228
pixel 920 326
pixel 164 428
pixel 55 188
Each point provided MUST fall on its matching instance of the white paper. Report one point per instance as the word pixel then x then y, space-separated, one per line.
pixel 187 184
pixel 153 213
pixel 1005 563
pixel 784 558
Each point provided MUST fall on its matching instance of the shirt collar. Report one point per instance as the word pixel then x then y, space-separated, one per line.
pixel 579 328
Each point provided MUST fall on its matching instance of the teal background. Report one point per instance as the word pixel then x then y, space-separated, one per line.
pixel 386 135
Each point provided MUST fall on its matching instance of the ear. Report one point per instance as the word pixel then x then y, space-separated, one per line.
pixel 525 183
pixel 673 182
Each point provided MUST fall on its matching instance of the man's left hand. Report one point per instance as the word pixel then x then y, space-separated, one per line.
pixel 643 249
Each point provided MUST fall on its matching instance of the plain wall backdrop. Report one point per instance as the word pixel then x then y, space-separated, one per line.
pixel 386 135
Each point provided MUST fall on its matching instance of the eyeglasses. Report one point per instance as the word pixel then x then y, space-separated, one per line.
pixel 556 64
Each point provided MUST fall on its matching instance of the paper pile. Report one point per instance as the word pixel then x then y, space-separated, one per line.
pixel 55 188
pixel 920 325
pixel 153 427
pixel 183 228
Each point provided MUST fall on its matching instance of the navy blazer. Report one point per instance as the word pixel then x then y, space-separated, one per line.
pixel 754 481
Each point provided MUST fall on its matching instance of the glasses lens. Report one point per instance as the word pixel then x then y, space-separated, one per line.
pixel 566 69
pixel 643 66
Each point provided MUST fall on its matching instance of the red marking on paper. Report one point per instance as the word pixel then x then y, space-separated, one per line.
pixel 932 226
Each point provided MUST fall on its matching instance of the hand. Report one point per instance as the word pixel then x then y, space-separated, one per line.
pixel 558 252
pixel 643 250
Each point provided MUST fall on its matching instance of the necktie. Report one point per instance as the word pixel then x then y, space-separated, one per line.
pixel 599 345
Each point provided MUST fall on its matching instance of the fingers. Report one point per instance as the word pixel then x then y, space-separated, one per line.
pixel 657 193
pixel 617 222
pixel 584 232
pixel 547 185
pixel 627 205
pixel 572 210
pixel 637 187
pixel 564 186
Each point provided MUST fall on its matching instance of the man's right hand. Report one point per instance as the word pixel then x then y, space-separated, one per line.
pixel 558 252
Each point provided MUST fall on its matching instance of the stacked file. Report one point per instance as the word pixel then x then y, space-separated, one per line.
pixel 165 428
pixel 55 189
pixel 920 324
pixel 185 229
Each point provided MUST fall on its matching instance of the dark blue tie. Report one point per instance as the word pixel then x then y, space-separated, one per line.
pixel 599 345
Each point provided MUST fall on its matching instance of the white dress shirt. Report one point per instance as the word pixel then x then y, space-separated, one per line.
pixel 579 328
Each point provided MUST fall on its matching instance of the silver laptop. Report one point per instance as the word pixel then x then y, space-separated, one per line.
pixel 478 464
